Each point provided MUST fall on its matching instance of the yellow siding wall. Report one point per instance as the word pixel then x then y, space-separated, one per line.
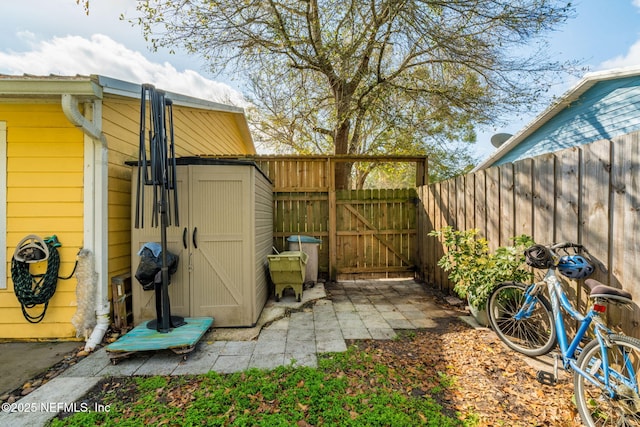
pixel 196 132
pixel 44 197
pixel 45 191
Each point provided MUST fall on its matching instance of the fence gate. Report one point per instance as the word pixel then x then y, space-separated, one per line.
pixel 376 232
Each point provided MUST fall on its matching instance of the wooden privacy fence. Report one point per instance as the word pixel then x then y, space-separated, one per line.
pixel 588 194
pixel 364 233
pixel 376 232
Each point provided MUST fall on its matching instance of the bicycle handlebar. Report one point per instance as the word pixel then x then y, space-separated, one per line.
pixel 555 246
pixel 565 245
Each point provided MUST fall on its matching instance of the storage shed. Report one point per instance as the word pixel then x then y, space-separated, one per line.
pixel 223 239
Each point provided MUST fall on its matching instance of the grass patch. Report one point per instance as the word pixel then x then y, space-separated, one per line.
pixel 347 389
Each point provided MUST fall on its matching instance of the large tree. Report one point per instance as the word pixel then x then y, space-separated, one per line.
pixel 344 75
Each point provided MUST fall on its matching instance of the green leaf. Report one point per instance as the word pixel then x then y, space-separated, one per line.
pixel 474 271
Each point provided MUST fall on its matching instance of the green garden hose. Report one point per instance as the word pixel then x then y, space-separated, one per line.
pixel 35 289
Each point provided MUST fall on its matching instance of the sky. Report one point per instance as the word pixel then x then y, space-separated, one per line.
pixel 42 37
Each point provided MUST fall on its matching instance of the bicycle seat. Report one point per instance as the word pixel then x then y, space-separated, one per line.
pixel 600 290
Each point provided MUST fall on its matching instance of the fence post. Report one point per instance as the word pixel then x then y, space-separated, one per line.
pixel 332 232
pixel 422 173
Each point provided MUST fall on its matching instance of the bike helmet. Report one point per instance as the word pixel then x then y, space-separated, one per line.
pixel 538 256
pixel 574 267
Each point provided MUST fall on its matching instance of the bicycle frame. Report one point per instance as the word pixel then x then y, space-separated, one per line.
pixel 570 350
pixel 559 299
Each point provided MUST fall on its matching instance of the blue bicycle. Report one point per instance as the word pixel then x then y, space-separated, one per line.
pixel 605 365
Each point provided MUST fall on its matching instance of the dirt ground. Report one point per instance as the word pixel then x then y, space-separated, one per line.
pixel 481 378
pixel 488 379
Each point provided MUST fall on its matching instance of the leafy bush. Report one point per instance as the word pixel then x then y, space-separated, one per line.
pixel 474 271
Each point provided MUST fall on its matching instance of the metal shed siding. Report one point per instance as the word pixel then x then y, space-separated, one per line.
pixel 44 197
pixel 609 109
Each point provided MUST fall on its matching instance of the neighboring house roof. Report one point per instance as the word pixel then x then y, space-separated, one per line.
pixel 96 87
pixel 602 105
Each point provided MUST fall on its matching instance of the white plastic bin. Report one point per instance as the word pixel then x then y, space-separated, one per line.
pixel 310 246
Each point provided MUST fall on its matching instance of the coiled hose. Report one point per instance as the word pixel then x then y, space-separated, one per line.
pixel 35 289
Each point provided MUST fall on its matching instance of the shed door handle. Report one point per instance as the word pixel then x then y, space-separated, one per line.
pixel 195 232
pixel 184 237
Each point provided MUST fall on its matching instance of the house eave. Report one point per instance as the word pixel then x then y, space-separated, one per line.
pixel 93 87
pixel 117 87
pixel 89 88
pixel 133 90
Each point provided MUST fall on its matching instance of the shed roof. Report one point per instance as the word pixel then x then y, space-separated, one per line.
pixel 586 83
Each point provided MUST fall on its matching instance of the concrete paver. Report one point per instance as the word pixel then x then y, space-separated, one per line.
pixel 125 368
pixel 334 334
pixel 300 346
pixel 89 366
pixel 271 346
pixel 331 346
pixel 161 363
pixel 233 348
pixel 382 334
pixel 202 359
pixel 270 361
pixel 301 359
pixel 231 364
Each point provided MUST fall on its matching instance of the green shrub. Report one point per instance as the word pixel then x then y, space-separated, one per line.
pixel 474 271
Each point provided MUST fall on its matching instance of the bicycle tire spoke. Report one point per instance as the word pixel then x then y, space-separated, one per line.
pixel 615 402
pixel 528 330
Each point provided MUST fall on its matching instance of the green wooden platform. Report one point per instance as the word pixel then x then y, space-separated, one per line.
pixel 180 340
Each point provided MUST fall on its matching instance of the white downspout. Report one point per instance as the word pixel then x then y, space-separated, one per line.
pixel 95 210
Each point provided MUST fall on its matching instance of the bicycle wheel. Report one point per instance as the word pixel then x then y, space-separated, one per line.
pixel 617 404
pixel 533 335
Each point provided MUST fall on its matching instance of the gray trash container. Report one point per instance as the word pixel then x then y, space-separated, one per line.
pixel 310 246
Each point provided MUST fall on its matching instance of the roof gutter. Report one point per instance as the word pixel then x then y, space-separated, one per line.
pixel 95 208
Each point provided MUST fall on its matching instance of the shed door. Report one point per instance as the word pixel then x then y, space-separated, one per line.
pixel 220 218
pixel 144 301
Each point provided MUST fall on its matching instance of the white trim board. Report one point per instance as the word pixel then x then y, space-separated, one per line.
pixel 3 204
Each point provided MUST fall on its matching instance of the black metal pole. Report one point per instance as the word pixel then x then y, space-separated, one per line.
pixel 163 179
pixel 164 323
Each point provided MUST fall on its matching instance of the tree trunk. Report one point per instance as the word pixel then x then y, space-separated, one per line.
pixel 343 175
pixel 343 169
pixel 361 177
